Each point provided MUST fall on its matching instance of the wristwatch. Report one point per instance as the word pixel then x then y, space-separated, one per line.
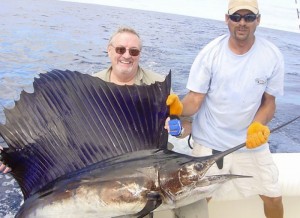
pixel 181 133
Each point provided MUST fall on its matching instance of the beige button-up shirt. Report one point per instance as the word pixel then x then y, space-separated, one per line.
pixel 143 77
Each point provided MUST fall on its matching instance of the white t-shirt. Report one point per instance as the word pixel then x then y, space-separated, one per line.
pixel 234 85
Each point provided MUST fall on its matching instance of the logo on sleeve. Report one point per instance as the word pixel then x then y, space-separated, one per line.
pixel 260 81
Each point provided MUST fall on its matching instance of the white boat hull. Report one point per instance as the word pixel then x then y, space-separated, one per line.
pixel 289 178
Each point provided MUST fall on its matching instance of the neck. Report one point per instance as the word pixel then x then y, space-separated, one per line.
pixel 240 47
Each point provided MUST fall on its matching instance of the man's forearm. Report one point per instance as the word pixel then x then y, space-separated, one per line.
pixel 191 103
pixel 266 110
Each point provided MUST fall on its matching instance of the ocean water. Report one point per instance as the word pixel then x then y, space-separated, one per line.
pixel 37 36
pixel 277 14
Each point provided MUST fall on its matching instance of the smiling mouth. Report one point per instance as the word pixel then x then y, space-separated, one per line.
pixel 125 62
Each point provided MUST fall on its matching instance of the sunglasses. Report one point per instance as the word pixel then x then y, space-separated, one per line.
pixel 247 17
pixel 121 50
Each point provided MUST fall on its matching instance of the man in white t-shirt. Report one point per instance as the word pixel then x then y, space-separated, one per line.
pixel 232 87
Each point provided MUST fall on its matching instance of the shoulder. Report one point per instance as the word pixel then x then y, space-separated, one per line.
pixel 104 74
pixel 148 77
pixel 268 47
pixel 213 47
pixel 209 52
pixel 217 42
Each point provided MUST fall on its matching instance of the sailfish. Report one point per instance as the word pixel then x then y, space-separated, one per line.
pixel 82 147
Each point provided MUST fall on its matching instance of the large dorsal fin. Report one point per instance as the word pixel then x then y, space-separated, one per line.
pixel 73 120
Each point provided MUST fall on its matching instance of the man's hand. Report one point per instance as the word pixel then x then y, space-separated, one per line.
pixel 257 134
pixel 173 123
pixel 175 105
pixel 3 168
pixel 175 127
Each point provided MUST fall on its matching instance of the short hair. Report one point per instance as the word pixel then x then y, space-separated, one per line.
pixel 124 30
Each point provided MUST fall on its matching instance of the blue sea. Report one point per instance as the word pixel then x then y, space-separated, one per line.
pixel 37 36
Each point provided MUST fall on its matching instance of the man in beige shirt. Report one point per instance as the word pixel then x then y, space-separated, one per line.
pixel 124 50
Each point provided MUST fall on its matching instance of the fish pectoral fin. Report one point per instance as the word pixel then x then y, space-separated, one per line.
pixel 153 201
pixel 220 161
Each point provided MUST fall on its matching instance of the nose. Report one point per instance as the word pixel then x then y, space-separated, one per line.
pixel 126 54
pixel 242 21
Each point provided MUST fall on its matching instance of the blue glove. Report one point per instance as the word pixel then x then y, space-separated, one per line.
pixel 175 127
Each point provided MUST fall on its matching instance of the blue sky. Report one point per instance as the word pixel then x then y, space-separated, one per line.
pixel 276 14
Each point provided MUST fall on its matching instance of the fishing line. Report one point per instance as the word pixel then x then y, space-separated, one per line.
pixel 243 144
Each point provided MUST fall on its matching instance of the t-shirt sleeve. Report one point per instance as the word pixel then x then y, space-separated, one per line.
pixel 200 74
pixel 201 71
pixel 276 81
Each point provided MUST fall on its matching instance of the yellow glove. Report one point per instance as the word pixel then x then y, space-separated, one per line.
pixel 175 105
pixel 257 134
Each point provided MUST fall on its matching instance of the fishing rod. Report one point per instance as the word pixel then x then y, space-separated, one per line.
pixel 244 144
pixel 279 127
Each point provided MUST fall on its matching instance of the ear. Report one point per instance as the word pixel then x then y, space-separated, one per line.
pixel 258 19
pixel 109 50
pixel 226 18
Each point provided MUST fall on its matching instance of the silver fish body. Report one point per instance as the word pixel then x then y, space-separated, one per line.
pixel 120 186
pixel 98 191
